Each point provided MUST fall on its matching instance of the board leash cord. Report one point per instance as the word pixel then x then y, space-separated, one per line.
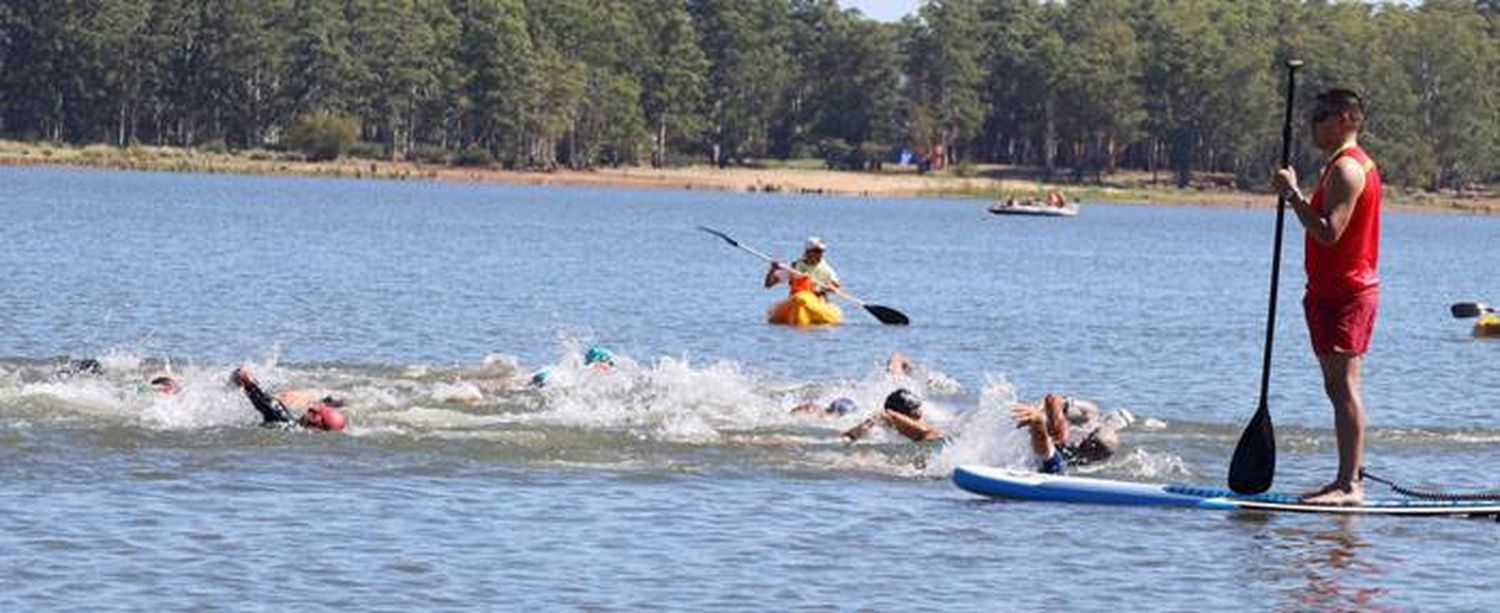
pixel 1445 496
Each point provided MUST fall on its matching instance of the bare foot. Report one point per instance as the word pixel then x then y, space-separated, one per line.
pixel 1338 493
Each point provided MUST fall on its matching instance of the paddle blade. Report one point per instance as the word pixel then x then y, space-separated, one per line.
pixel 1254 463
pixel 1466 310
pixel 887 315
pixel 719 234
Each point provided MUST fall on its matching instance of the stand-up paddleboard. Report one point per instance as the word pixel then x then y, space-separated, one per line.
pixel 1017 485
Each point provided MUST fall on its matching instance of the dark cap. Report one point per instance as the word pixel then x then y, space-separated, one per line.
pixel 903 401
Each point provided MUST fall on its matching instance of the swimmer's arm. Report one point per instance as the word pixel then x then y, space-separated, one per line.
pixel 911 428
pixel 1031 418
pixel 859 431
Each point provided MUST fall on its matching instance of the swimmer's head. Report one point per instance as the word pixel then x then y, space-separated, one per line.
pixel 1099 445
pixel 165 385
pixel 903 401
pixel 323 417
pixel 540 377
pixel 598 355
pixel 842 406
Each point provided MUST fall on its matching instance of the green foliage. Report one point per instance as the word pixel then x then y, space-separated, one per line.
pixel 322 136
pixel 1185 87
pixel 428 154
pixel 367 150
pixel 474 156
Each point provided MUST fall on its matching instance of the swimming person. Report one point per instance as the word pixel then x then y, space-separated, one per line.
pixel 902 412
pixel 838 407
pixel 321 413
pixel 1065 432
pixel 596 358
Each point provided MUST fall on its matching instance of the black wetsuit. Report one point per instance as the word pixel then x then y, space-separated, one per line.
pixel 273 413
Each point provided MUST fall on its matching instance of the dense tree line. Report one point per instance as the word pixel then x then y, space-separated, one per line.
pixel 1083 87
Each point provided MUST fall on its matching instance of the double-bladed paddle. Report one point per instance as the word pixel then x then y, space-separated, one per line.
pixel 1254 463
pixel 885 314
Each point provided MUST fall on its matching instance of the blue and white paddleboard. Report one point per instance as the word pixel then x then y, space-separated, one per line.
pixel 1019 485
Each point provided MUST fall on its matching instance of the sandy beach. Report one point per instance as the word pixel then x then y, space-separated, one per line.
pixel 986 182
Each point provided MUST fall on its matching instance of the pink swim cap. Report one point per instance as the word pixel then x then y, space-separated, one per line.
pixel 324 417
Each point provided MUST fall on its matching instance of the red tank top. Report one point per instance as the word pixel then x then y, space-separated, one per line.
pixel 1347 266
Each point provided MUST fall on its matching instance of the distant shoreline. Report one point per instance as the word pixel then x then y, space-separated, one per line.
pixel 989 182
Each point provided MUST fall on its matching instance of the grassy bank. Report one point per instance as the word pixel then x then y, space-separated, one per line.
pixel 985 182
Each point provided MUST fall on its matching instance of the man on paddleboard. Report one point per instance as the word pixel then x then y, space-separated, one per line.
pixel 1342 223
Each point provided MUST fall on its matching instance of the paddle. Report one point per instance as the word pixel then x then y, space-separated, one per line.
pixel 1468 310
pixel 1254 463
pixel 886 315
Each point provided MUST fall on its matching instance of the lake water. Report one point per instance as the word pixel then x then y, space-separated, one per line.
pixel 680 480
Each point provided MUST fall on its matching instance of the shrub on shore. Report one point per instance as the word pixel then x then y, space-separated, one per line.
pixel 322 136
pixel 473 156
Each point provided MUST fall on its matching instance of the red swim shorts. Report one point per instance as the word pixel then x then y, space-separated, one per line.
pixel 1341 323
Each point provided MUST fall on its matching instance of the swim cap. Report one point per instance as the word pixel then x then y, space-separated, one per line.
pixel 903 401
pixel 324 417
pixel 539 378
pixel 164 384
pixel 597 354
pixel 841 406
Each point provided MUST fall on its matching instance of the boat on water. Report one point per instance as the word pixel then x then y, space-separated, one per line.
pixel 1036 209
pixel 1488 325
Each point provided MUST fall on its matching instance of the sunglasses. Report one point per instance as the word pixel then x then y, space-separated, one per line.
pixel 1320 115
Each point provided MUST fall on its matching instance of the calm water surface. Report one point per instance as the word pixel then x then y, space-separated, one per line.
pixel 680 480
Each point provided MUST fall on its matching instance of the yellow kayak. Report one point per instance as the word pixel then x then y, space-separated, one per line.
pixel 805 309
pixel 1489 325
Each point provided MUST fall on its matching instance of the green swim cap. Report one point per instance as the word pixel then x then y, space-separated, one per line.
pixel 598 354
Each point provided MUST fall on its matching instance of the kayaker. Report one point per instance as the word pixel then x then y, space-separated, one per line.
pixel 319 413
pixel 811 272
pixel 903 412
pixel 1068 432
pixel 1342 223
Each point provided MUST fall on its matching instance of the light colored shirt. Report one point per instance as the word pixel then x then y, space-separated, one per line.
pixel 822 273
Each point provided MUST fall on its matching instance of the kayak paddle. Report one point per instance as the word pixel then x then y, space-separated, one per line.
pixel 1254 463
pixel 1468 310
pixel 885 314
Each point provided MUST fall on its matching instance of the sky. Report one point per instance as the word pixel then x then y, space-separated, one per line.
pixel 883 10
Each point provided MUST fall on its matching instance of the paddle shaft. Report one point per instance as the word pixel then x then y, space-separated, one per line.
pixel 1253 466
pixel 1286 162
pixel 758 253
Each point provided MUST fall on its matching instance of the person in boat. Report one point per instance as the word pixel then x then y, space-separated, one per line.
pixel 596 358
pixel 902 412
pixel 1342 223
pixel 1067 432
pixel 811 272
pixel 1056 200
pixel 277 412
